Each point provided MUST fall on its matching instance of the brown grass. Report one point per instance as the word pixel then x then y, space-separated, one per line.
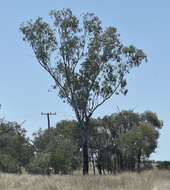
pixel 150 180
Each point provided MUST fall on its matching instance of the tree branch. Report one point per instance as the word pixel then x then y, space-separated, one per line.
pixel 102 102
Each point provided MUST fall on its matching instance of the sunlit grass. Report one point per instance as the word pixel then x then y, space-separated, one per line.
pixel 148 180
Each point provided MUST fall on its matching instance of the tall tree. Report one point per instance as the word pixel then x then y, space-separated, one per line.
pixel 89 65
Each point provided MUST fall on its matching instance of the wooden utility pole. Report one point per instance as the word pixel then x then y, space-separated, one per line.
pixel 48 117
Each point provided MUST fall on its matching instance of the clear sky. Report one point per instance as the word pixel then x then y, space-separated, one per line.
pixel 24 84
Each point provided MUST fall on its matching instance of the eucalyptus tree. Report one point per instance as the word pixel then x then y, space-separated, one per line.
pixel 88 63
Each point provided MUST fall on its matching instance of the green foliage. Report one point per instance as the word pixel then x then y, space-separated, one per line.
pixel 63 160
pixel 141 140
pixel 9 164
pixel 15 148
pixel 123 140
pixel 62 147
pixel 152 118
pixel 91 63
pixel 162 165
pixel 39 164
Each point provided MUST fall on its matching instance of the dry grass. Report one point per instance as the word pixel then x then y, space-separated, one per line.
pixel 150 180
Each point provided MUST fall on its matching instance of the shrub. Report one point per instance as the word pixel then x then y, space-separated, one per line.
pixel 8 164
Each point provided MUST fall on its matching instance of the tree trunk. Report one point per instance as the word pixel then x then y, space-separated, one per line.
pixel 103 171
pixel 94 171
pixel 85 150
pixel 99 164
pixel 139 161
pixel 120 162
pixel 85 159
pixel 99 167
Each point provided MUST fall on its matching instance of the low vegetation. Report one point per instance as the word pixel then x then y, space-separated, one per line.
pixel 148 180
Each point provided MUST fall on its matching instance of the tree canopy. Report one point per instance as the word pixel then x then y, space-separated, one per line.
pixel 16 149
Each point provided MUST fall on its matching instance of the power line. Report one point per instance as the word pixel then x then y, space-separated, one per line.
pixel 48 117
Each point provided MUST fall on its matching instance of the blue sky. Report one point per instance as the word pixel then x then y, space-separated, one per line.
pixel 24 84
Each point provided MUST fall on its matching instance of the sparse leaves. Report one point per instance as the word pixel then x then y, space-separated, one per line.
pixel 91 63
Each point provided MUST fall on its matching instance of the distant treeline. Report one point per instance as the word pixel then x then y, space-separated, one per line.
pixel 120 142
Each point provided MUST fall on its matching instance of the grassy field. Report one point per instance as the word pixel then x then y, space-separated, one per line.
pixel 150 180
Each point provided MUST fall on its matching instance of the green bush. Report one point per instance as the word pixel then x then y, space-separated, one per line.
pixel 8 164
pixel 39 164
pixel 163 165
pixel 63 160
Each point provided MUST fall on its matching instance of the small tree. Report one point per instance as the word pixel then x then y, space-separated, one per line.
pixel 60 146
pixel 90 63
pixel 16 149
pixel 137 135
